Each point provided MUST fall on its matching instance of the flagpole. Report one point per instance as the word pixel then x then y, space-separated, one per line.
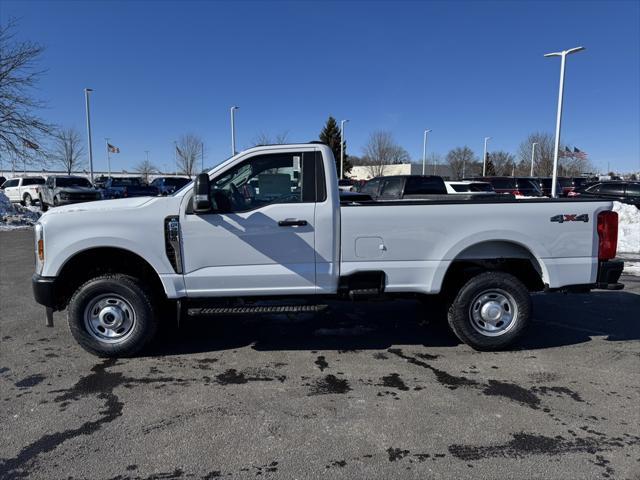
pixel 106 141
pixel 86 104
pixel 175 155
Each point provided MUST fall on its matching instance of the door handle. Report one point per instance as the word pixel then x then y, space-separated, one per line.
pixel 292 223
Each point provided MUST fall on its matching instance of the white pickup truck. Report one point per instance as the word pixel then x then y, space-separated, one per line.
pixel 266 231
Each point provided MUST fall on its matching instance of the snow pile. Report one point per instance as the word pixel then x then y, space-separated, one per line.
pixel 628 227
pixel 14 216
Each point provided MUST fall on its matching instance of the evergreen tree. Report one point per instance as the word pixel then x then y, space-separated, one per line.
pixel 331 136
pixel 491 169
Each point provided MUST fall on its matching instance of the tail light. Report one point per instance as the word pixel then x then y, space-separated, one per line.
pixel 608 235
pixel 518 192
pixel 573 193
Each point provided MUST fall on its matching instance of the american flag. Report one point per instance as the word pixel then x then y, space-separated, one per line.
pixel 112 149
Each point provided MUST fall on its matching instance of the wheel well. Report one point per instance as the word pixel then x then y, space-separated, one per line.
pixel 98 261
pixel 520 263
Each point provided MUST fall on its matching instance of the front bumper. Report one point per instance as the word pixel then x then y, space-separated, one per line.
pixel 44 290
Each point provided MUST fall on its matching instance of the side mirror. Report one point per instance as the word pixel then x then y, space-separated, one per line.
pixel 202 194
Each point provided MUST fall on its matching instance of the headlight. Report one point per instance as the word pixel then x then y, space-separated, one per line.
pixel 39 239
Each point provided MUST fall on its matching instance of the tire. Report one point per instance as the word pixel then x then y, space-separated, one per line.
pixel 27 200
pixel 490 311
pixel 56 202
pixel 43 206
pixel 112 316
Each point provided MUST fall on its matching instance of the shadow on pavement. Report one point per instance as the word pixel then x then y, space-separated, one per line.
pixel 558 320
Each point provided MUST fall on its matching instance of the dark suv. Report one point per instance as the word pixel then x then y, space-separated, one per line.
pixel 397 187
pixel 519 186
pixel 625 192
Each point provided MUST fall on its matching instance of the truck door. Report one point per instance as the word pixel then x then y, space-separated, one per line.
pixel 260 238
pixel 11 189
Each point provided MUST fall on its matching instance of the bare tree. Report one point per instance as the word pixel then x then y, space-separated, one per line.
pixel 503 162
pixel 21 129
pixel 69 150
pixel 380 151
pixel 266 139
pixel 146 168
pixel 189 148
pixel 543 160
pixel 460 160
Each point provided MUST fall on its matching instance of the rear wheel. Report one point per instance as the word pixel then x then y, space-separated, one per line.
pixel 490 311
pixel 112 316
pixel 27 200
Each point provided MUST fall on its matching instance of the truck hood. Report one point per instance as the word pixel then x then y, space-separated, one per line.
pixel 102 205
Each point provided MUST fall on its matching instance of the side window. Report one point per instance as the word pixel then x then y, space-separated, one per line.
pixel 633 189
pixel 50 182
pixel 10 183
pixel 425 186
pixel 371 187
pixel 392 187
pixel 268 179
pixel 612 189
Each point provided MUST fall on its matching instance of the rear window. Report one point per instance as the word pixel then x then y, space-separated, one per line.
pixel 472 187
pixel 72 182
pixel 503 183
pixel 565 182
pixel 527 184
pixel 32 181
pixel 425 186
pixel 371 187
pixel 126 182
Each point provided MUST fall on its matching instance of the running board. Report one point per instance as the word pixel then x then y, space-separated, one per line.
pixel 205 311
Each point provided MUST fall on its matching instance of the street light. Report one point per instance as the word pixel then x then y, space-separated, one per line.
pixel 533 155
pixel 424 151
pixel 563 56
pixel 233 129
pixel 484 157
pixel 86 105
pixel 342 122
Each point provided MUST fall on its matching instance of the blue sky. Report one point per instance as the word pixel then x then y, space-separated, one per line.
pixel 464 69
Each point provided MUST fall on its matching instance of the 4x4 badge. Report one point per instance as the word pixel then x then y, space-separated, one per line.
pixel 570 218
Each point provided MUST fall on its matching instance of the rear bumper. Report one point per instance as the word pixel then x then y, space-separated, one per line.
pixel 609 272
pixel 608 275
pixel 44 290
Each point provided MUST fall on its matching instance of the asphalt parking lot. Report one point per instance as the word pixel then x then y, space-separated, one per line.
pixel 358 391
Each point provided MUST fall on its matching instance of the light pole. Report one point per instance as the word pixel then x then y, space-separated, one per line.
pixel 86 105
pixel 424 151
pixel 202 156
pixel 533 156
pixel 563 57
pixel 342 122
pixel 484 157
pixel 233 129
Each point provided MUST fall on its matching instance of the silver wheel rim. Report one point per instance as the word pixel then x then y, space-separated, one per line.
pixel 493 312
pixel 109 318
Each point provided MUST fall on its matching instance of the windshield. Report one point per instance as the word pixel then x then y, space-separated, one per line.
pixel 73 182
pixel 126 182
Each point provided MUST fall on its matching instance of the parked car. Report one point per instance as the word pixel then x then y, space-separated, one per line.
pixel 99 182
pixel 65 190
pixel 215 247
pixel 469 186
pixel 124 187
pixel 518 186
pixel 625 192
pixel 22 190
pixel 570 184
pixel 398 187
pixel 346 184
pixel 168 185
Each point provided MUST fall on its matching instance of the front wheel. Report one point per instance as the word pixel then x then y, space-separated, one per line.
pixel 43 206
pixel 28 201
pixel 112 316
pixel 490 311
